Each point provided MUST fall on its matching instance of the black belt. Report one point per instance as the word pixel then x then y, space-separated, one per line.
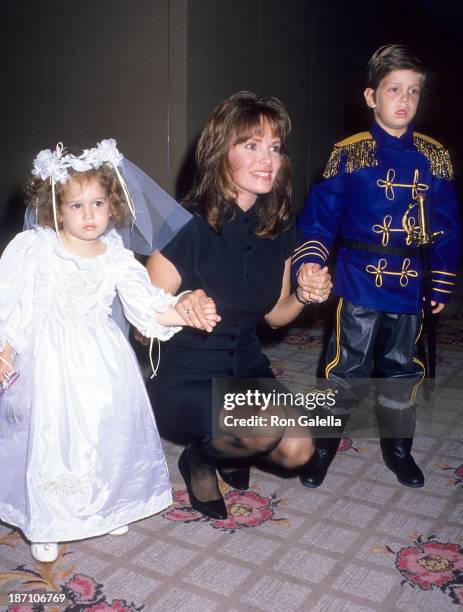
pixel 379 248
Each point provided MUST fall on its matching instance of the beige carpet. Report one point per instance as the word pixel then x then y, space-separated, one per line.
pixel 359 543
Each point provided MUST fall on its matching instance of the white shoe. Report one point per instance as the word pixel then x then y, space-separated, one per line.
pixel 120 530
pixel 46 552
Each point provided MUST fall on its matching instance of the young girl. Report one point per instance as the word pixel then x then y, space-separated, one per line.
pixel 78 442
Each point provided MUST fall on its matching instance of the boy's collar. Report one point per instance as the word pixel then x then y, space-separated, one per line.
pixel 384 138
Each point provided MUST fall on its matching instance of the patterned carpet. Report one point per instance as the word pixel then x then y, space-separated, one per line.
pixel 359 543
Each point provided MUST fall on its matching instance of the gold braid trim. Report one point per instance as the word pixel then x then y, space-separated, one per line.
pixel 358 150
pixel 439 158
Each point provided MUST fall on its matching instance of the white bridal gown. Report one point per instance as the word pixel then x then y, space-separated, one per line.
pixel 80 454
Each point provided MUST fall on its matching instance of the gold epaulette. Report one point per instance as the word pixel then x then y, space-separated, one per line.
pixel 438 156
pixel 359 151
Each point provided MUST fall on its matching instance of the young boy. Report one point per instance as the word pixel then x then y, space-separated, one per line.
pixel 369 183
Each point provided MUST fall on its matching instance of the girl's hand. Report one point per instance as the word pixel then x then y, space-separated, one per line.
pixel 6 362
pixel 315 282
pixel 198 310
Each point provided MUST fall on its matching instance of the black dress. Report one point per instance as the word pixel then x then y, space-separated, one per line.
pixel 243 273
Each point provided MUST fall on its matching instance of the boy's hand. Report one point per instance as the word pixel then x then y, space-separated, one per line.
pixel 198 310
pixel 6 362
pixel 315 282
pixel 437 307
pixel 210 312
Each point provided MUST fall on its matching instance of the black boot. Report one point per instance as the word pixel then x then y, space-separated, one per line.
pixel 238 478
pixel 397 457
pixel 313 473
pixel 193 465
pixel 396 430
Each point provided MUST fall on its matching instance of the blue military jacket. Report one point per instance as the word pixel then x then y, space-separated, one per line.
pixel 369 182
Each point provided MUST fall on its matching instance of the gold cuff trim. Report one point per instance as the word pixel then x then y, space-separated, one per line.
pixel 307 253
pixel 441 290
pixel 312 242
pixel 318 250
pixel 434 280
pixel 445 273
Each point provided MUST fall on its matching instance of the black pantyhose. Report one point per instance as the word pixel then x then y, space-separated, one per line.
pixel 230 455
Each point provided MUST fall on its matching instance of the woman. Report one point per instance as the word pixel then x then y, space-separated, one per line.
pixel 237 248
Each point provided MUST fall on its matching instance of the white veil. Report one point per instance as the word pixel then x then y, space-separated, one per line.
pixel 158 217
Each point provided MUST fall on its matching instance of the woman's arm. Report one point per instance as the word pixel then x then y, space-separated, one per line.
pixel 163 273
pixel 288 306
pixel 195 308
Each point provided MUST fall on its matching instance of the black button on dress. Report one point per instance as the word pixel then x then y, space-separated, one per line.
pixel 243 273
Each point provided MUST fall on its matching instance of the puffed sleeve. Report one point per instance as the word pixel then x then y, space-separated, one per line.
pixel 319 222
pixel 17 271
pixel 141 300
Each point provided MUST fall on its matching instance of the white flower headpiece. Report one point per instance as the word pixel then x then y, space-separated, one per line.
pixel 54 165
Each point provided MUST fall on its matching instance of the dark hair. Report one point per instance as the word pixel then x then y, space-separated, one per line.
pixel 234 121
pixel 388 58
pixel 40 192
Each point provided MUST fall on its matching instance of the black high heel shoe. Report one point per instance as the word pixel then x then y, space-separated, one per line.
pixel 215 508
pixel 238 478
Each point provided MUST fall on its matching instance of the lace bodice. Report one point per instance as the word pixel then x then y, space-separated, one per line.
pixel 40 280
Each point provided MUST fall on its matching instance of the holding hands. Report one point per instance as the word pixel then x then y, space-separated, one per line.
pixel 197 310
pixel 314 283
pixel 193 309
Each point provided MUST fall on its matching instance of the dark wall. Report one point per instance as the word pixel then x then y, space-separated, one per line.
pixel 148 72
pixel 107 76
pixel 24 105
pixel 344 37
pixel 262 46
pixel 435 28
pixel 78 72
pixel 312 55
